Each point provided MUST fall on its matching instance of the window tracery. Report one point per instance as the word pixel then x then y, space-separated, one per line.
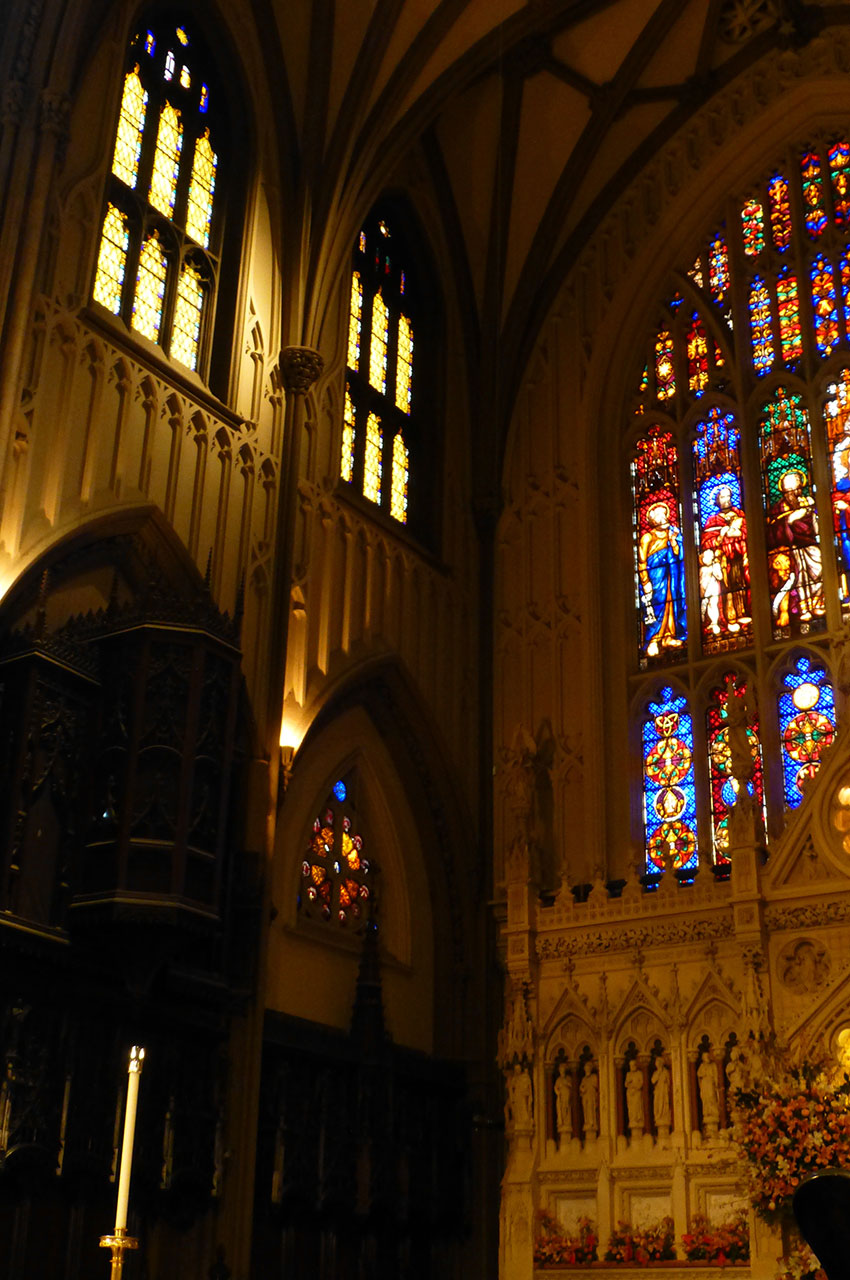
pixel 157 262
pixel 740 467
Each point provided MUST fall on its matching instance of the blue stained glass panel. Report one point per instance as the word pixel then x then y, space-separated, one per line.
pixel 340 791
pixel 669 793
pixel 806 725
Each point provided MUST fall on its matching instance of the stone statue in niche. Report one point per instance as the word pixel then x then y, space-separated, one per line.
pixel 563 1100
pixel 519 1104
pixel 709 1094
pixel 589 1095
pixel 736 1075
pixel 634 1099
pixel 521 767
pixel 661 1106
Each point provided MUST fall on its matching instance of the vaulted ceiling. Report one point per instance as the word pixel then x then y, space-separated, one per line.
pixel 529 116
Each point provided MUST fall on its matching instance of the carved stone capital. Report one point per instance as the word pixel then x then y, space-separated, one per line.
pixel 299 368
pixel 54 113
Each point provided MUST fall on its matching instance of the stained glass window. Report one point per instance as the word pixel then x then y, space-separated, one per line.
pixel 382 360
pixel 131 127
pixel 336 874
pixel 373 460
pixel 665 371
pixel 752 226
pixel 806 725
pixel 659 546
pixel 112 260
pixel 404 370
pixel 725 744
pixel 398 502
pixel 718 269
pixel 355 321
pixel 188 309
pixel 346 466
pixel 697 357
pixel 669 792
pixel 721 535
pixel 815 214
pixel 795 569
pixel 159 209
pixel 780 211
pixel 150 289
pixel 701 590
pixel 836 413
pixel 839 164
pixel 825 305
pixel 788 306
pixel 761 325
pixel 378 347
pixel 166 161
pixel 201 191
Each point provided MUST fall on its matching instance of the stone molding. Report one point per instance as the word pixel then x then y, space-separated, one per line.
pixel 300 367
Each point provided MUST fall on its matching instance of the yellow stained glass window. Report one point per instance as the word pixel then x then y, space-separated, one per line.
pixel 398 494
pixel 181 36
pixel 111 260
pixel 346 465
pixel 185 78
pixel 372 459
pixel 166 161
pixel 404 368
pixel 378 349
pixel 150 289
pixel 201 191
pixel 355 321
pixel 186 329
pixel 150 43
pixel 131 126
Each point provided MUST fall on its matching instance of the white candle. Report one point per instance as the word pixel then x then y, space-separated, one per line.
pixel 135 1067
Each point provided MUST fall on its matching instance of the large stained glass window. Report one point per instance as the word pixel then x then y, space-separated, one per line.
pixel 668 783
pixel 806 724
pixel 336 876
pixel 157 263
pixel 381 459
pixel 734 492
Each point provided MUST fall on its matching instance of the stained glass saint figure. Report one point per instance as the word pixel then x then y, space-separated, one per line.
pixel 660 547
pixel 724 565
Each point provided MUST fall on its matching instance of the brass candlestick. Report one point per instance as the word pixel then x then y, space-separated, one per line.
pixel 118 1243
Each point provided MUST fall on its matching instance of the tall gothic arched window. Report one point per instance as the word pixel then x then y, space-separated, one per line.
pixel 739 452
pixel 157 264
pixel 387 398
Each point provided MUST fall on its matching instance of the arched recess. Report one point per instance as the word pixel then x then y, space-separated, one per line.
pixel 419 839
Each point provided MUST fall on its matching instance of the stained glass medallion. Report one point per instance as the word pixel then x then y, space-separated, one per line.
pixel 669 790
pixel 806 725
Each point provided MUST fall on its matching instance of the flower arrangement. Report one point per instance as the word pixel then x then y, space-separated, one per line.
pixel 799 1264
pixel 727 1243
pixel 554 1248
pixel 644 1244
pixel 791 1122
